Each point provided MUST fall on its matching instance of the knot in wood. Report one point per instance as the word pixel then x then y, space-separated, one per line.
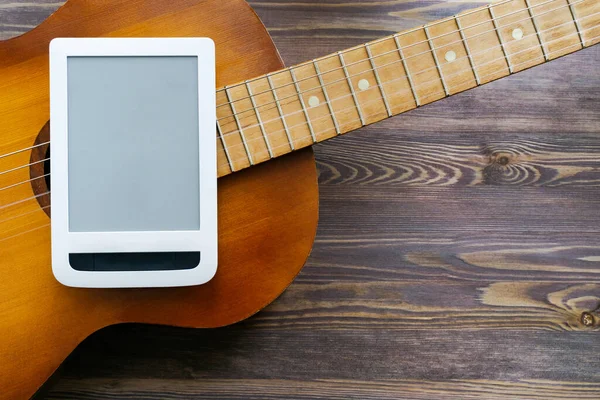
pixel 500 157
pixel 587 319
pixel 501 169
pixel 503 160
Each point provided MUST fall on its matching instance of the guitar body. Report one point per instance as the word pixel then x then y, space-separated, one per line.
pixel 267 214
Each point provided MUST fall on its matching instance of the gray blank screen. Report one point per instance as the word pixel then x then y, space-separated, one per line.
pixel 133 144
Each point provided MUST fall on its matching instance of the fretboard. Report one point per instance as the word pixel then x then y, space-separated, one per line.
pixel 286 110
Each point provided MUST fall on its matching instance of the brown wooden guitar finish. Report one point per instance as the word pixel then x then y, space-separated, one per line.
pixel 267 214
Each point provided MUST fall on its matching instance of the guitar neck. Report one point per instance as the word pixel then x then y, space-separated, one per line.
pixel 286 110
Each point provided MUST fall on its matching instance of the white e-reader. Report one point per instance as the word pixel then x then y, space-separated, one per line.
pixel 133 161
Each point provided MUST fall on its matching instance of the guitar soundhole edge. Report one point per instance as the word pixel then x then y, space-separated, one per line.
pixel 39 168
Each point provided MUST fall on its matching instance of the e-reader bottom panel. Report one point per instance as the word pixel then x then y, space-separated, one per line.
pixel 163 261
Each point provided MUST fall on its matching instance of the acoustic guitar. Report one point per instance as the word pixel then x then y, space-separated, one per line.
pixel 267 213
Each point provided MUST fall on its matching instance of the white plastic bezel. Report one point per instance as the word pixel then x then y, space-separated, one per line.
pixel 65 242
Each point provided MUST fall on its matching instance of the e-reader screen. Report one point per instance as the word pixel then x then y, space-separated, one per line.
pixel 133 143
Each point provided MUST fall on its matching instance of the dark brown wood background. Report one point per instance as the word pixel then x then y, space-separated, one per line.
pixel 458 246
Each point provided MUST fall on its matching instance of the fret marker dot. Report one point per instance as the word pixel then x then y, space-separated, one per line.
pixel 517 33
pixel 363 84
pixel 313 101
pixel 450 56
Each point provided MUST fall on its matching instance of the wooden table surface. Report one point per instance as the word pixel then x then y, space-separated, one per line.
pixel 455 257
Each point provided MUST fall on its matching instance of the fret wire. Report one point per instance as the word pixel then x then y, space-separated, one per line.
pixel 239 125
pixel 310 128
pixel 468 50
pixel 510 68
pixel 260 123
pixel 576 21
pixel 486 50
pixel 460 72
pixel 376 73
pixel 428 51
pixel 411 102
pixel 285 127
pixel 405 65
pixel 425 52
pixel 446 19
pixel 535 27
pixel 437 63
pixel 360 114
pixel 469 12
pixel 484 76
pixel 329 105
pixel 220 133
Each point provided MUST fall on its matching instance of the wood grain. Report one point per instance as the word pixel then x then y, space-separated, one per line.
pixel 268 214
pixel 454 258
pixel 336 389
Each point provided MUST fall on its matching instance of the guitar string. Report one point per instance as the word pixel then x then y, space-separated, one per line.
pixel 448 19
pixel 23 233
pixel 330 56
pixel 23 166
pixel 22 182
pixel 24 200
pixel 257 109
pixel 583 45
pixel 237 131
pixel 409 103
pixel 409 31
pixel 347 96
pixel 430 51
pixel 48 224
pixel 435 67
pixel 528 18
pixel 22 150
pixel 330 129
pixel 27 213
pixel 366 59
pixel 40 227
pixel 369 58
